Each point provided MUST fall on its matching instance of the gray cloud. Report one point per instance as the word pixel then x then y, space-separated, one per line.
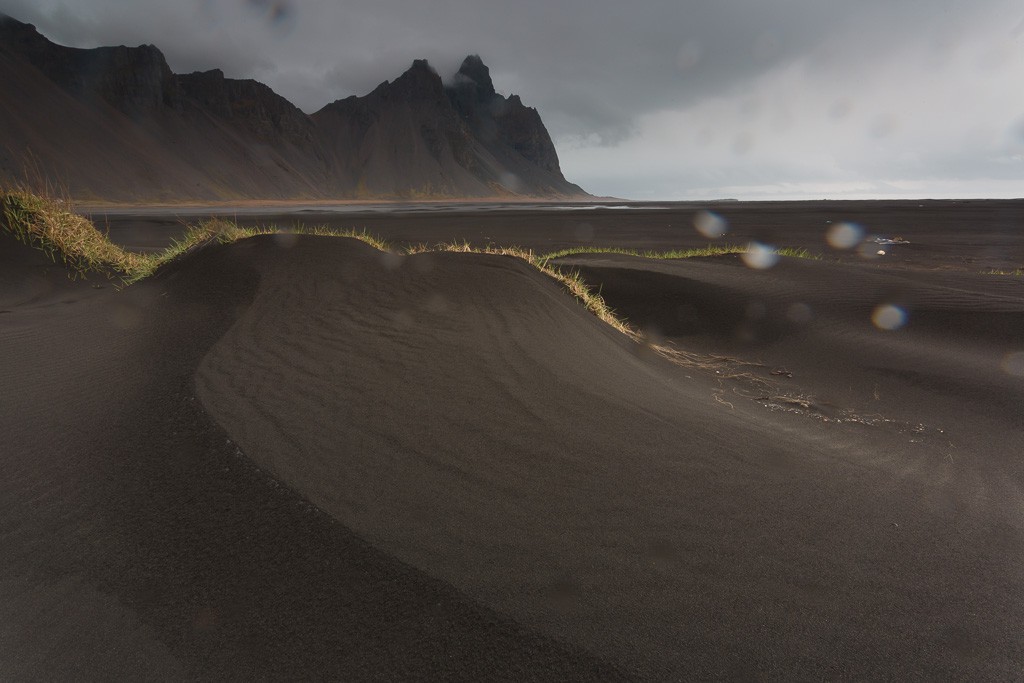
pixel 615 81
pixel 595 63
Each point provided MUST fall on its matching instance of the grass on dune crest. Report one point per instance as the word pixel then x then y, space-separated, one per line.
pixel 710 250
pixel 595 303
pixel 223 231
pixel 592 300
pixel 361 235
pixel 571 280
pixel 51 226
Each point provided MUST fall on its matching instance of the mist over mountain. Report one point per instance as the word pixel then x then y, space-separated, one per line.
pixel 114 123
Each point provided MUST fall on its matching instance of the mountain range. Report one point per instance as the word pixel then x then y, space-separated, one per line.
pixel 116 124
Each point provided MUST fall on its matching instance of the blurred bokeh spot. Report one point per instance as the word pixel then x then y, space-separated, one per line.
pixel 844 235
pixel 1013 364
pixel 760 256
pixel 710 224
pixel 277 12
pixel 889 317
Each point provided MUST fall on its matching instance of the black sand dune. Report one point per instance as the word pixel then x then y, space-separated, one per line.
pixel 814 319
pixel 301 457
pixel 139 543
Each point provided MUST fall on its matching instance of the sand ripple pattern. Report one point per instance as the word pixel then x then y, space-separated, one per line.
pixel 466 416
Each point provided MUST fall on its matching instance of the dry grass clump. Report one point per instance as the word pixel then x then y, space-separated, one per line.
pixel 361 235
pixel 710 250
pixel 50 226
pixel 223 231
pixel 214 230
pixel 571 280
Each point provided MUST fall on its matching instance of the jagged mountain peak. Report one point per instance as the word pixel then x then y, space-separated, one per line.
pixel 419 82
pixel 153 133
pixel 421 66
pixel 474 74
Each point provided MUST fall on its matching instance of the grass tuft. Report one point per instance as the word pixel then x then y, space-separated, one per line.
pixel 798 252
pixel 572 281
pixel 362 235
pixel 50 226
pixel 710 250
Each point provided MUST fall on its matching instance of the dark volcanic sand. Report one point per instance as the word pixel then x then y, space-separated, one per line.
pixel 303 458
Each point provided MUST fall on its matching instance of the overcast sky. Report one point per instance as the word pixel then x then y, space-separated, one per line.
pixel 655 99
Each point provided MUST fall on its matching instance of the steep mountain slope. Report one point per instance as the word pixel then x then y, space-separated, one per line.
pixel 464 139
pixel 404 137
pixel 513 133
pixel 115 123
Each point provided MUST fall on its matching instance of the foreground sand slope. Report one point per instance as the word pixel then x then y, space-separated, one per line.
pixel 504 487
pixel 462 414
pixel 140 545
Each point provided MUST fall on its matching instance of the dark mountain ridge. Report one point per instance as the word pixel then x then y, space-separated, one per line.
pixel 115 123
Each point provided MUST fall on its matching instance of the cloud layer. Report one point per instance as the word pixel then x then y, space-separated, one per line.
pixel 668 100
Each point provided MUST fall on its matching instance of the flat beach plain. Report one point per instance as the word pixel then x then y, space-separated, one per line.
pixel 302 457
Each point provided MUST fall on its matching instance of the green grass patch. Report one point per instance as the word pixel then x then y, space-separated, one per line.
pixel 710 250
pixel 1019 272
pixel 361 235
pixel 713 250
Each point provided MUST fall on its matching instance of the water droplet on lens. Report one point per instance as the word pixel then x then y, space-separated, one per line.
pixel 759 256
pixel 889 317
pixel 844 235
pixel 1013 364
pixel 710 224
